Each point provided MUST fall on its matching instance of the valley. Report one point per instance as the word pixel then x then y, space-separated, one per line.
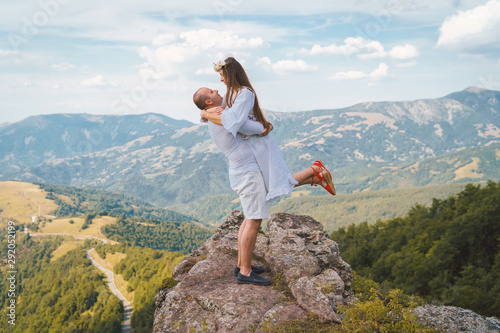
pixel 170 163
pixel 370 206
pixel 136 193
pixel 43 227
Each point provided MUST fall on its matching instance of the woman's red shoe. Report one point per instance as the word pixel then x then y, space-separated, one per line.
pixel 325 175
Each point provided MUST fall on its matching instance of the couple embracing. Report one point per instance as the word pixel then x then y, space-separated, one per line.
pixel 257 170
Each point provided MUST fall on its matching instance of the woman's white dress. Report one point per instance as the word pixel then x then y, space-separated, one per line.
pixel 277 177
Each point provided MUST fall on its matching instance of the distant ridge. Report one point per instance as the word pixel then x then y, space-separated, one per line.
pixel 372 145
pixel 475 90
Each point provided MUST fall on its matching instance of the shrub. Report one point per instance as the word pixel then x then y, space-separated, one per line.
pixel 168 282
pixel 379 310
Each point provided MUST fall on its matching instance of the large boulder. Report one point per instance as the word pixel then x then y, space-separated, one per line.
pixel 308 274
pixel 455 319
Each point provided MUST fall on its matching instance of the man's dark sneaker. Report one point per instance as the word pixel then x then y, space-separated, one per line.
pixel 256 269
pixel 253 279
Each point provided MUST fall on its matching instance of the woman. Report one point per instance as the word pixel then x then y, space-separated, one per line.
pixel 242 104
pixel 273 176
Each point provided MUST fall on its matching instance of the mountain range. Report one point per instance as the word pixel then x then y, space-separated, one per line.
pixel 368 146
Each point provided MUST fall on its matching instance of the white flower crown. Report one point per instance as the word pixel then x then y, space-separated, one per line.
pixel 220 65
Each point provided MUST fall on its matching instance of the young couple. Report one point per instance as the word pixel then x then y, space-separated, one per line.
pixel 257 170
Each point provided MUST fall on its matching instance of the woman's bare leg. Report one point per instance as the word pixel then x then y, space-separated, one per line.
pixel 306 176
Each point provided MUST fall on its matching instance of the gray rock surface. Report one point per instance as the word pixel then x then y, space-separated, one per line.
pixel 308 274
pixel 455 319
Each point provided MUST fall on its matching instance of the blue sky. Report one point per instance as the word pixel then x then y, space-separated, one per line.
pixel 125 57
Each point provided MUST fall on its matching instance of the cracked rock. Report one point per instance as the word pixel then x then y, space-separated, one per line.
pixel 308 274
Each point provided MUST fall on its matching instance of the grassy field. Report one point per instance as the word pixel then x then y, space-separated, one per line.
pixel 469 170
pixel 75 228
pixel 21 201
pixel 344 209
pixel 65 247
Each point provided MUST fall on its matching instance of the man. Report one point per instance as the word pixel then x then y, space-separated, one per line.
pixel 244 177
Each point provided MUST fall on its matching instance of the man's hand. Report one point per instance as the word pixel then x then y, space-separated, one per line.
pixel 213 115
pixel 216 110
pixel 203 113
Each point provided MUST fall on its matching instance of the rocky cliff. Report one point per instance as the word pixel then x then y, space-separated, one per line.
pixel 308 274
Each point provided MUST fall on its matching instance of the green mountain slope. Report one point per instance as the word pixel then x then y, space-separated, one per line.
pixel 101 214
pixel 58 288
pixel 368 146
pixel 41 138
pixel 466 165
pixel 138 223
pixel 448 251
pixel 372 192
pixel 74 201
pixel 66 295
pixel 355 208
pixel 145 271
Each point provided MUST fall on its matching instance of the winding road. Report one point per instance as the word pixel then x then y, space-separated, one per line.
pixel 111 284
pixel 111 278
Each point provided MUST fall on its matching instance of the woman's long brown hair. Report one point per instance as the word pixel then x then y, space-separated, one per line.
pixel 236 79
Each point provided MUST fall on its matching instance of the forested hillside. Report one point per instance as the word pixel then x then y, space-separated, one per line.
pixel 138 223
pixel 57 288
pixel 448 252
pixel 145 270
pixel 65 295
pixel 164 235
pixel 370 206
pixel 74 200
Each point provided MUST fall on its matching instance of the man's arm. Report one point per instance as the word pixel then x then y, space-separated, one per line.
pixel 249 127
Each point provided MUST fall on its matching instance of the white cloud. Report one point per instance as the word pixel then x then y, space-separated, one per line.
pixel 352 45
pixel 164 39
pixel 64 66
pixel 283 66
pixel 407 51
pixel 205 39
pixel 204 71
pixel 14 57
pixel 469 29
pixel 293 66
pixel 9 53
pixel 364 49
pixel 121 28
pixel 97 81
pixel 179 54
pixel 351 75
pixel 373 49
pixel 378 73
pixel 85 13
